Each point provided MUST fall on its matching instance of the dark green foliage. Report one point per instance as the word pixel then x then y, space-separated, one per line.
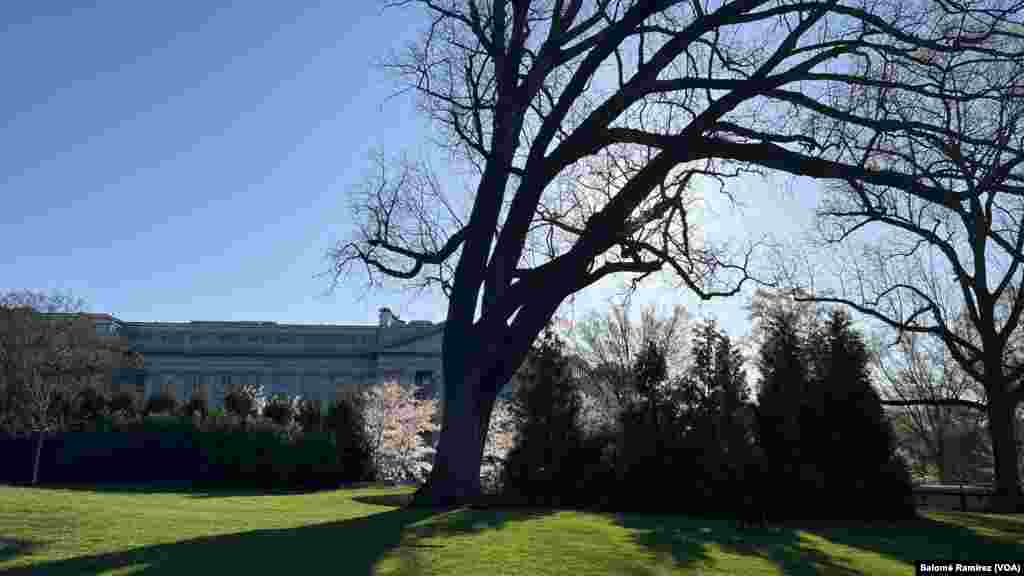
pixel 195 404
pixel 309 416
pixel 822 427
pixel 89 404
pixel 345 422
pixel 161 423
pixel 688 436
pixel 61 409
pixel 240 402
pixel 854 444
pixel 784 385
pixel 279 409
pixel 264 459
pixel 160 402
pixel 548 465
pixel 123 402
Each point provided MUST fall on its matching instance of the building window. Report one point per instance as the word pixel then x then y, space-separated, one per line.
pixel 197 385
pixel 167 388
pixel 425 385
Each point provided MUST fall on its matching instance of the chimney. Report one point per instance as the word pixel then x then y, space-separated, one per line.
pixel 386 318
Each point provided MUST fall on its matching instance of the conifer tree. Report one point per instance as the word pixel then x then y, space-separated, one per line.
pixel 783 387
pixel 542 466
pixel 846 430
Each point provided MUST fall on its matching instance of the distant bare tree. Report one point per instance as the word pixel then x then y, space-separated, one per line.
pixel 915 264
pixel 932 435
pixel 50 350
pixel 611 344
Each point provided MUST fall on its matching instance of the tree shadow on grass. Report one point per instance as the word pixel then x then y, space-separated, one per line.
pixel 11 548
pixel 956 536
pixel 685 540
pixel 351 546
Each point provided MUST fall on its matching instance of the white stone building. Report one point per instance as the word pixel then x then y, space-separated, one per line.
pixel 317 362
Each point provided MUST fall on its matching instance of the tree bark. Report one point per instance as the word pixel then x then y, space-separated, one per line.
pixel 1004 452
pixel 35 461
pixel 455 476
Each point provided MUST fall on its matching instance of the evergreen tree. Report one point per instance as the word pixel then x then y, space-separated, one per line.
pixel 544 465
pixel 783 387
pixel 852 439
pixel 345 421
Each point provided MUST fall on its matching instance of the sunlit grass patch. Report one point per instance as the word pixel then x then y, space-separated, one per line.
pixel 365 531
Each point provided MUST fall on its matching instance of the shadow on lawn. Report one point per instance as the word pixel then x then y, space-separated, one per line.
pixel 356 544
pixel 947 536
pixel 685 538
pixel 350 546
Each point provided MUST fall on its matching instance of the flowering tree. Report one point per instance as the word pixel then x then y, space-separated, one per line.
pixel 395 419
pixel 501 437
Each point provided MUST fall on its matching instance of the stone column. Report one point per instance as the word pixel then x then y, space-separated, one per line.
pixel 147 387
pixel 205 388
pixel 184 385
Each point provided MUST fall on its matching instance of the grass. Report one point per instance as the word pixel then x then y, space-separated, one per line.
pixel 154 531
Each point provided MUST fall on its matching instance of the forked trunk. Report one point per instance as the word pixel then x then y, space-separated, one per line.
pixel 1004 452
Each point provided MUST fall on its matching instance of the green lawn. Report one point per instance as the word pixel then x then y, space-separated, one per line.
pixel 151 531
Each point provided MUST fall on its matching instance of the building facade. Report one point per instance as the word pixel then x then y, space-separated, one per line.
pixel 317 362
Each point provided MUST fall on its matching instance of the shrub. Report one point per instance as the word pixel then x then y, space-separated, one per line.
pixel 219 420
pixel 244 401
pixel 316 462
pixel 256 458
pixel 280 409
pixel 61 409
pixel 309 416
pixel 165 422
pixel 160 403
pixel 196 403
pixel 261 457
pixel 123 402
pixel 345 421
pixel 89 404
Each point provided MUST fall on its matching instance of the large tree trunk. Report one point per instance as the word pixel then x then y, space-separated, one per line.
pixel 1004 452
pixel 455 476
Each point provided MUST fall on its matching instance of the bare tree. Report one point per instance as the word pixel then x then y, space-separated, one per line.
pixel 916 265
pixel 587 122
pixel 919 368
pixel 611 343
pixel 49 350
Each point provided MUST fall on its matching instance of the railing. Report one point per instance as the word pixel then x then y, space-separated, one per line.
pixel 961 497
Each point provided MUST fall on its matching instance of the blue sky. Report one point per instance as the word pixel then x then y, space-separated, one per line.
pixel 189 160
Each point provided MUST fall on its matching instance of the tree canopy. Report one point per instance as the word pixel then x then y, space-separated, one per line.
pixel 587 123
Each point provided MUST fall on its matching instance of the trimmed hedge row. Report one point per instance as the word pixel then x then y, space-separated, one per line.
pixel 168 449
